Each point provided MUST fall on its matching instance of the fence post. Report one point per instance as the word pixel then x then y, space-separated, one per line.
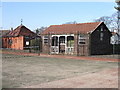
pixel 39 46
pixel 49 43
pixel 29 45
pixel 78 43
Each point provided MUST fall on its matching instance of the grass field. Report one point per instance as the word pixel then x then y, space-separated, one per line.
pixel 22 71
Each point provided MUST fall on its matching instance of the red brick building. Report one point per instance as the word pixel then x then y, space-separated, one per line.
pixel 78 39
pixel 18 39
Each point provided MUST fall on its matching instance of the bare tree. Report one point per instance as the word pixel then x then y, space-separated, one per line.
pixel 74 22
pixel 110 21
pixel 39 30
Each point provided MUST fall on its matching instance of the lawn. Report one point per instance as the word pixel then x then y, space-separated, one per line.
pixel 21 71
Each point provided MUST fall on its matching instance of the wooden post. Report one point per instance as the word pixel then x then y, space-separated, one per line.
pixel 89 44
pixel 65 44
pixel 49 43
pixel 58 44
pixel 39 41
pixel 77 43
pixel 70 44
pixel 29 45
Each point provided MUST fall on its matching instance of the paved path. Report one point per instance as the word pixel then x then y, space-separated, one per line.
pixel 64 56
pixel 104 79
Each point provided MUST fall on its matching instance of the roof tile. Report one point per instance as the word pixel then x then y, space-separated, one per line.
pixel 72 28
pixel 21 31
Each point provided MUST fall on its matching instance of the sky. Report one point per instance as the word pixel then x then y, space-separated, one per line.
pixel 38 14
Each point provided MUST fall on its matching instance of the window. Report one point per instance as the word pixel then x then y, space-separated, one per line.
pixel 27 42
pixel 82 40
pixel 10 41
pixel 45 39
pixel 55 41
pixel 26 37
pixel 62 40
pixel 101 36
pixel 70 41
pixel 101 28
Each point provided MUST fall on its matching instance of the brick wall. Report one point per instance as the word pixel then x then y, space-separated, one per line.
pixel 93 44
pixel 81 50
pixel 45 46
pixel 75 44
pixel 78 49
pixel 17 42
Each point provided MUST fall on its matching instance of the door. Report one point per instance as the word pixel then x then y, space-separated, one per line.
pixel 62 44
pixel 54 46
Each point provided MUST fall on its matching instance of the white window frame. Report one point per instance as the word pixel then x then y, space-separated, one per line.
pixel 27 43
pixel 101 36
pixel 101 29
pixel 45 39
pixel 82 40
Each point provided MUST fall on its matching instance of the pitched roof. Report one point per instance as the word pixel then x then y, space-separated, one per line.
pixel 4 32
pixel 72 28
pixel 21 31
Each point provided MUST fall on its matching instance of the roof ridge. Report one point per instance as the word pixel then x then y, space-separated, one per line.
pixel 82 27
pixel 77 23
pixel 89 23
pixel 18 31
